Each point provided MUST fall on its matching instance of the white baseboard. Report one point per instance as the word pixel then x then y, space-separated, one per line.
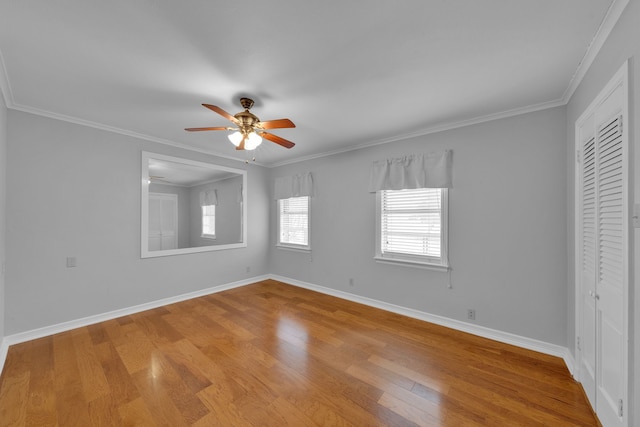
pixel 570 361
pixel 78 323
pixel 504 337
pixel 4 348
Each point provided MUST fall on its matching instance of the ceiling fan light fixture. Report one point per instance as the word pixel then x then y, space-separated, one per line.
pixel 235 138
pixel 253 141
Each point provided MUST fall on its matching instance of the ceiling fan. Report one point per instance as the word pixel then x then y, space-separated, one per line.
pixel 249 130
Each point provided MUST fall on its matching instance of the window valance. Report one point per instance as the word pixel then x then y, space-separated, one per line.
pixel 294 186
pixel 432 170
pixel 208 198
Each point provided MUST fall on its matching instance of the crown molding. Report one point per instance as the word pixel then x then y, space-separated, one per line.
pixel 5 87
pixel 604 30
pixel 606 26
pixel 101 126
pixel 430 130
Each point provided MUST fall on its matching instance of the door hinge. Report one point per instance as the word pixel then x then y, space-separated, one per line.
pixel 620 408
pixel 578 343
pixel 578 156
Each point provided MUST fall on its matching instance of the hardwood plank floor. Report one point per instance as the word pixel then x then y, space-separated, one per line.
pixel 270 354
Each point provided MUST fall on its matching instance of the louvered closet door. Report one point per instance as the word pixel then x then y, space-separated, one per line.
pixel 588 268
pixel 610 269
pixel 603 253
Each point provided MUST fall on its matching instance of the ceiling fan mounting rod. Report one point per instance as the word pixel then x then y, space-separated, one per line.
pixel 246 103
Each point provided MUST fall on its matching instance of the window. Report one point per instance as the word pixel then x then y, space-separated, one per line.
pixel 293 222
pixel 412 226
pixel 209 221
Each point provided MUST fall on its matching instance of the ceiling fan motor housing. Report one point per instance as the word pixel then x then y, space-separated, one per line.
pixel 246 120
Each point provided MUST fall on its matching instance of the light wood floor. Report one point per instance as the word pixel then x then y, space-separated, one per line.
pixel 271 354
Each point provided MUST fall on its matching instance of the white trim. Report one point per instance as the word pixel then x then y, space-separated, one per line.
pixel 606 26
pixel 481 331
pixel 294 246
pixel 407 260
pixel 619 79
pixel 144 207
pixel 100 126
pixel 504 337
pixel 577 243
pixel 429 130
pixel 407 263
pixel 5 87
pixel 303 249
pixel 571 363
pixel 90 320
pixel 4 349
pixel 7 93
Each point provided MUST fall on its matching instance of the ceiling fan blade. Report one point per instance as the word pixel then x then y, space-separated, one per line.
pixel 221 112
pixel 278 140
pixel 210 128
pixel 276 124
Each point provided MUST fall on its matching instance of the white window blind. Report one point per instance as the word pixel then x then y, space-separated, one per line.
pixel 209 221
pixel 293 219
pixel 412 226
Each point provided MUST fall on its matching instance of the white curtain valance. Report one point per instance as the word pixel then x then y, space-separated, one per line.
pixel 208 198
pixel 294 186
pixel 432 170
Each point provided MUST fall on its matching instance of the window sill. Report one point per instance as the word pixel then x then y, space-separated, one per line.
pixel 208 236
pixel 305 250
pixel 409 263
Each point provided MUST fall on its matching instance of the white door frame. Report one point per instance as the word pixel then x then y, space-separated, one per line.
pixel 619 79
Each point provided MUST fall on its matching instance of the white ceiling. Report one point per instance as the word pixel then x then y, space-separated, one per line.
pixel 347 73
pixel 184 174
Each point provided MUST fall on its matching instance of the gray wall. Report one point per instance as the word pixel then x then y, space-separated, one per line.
pixel 3 209
pixel 75 191
pixel 623 43
pixel 507 227
pixel 511 221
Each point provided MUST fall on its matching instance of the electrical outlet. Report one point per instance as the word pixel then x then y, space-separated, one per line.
pixel 248 269
pixel 351 283
pixel 71 262
pixel 471 314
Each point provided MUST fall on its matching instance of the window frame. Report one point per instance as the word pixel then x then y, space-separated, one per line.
pixel 288 245
pixel 440 264
pixel 203 214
